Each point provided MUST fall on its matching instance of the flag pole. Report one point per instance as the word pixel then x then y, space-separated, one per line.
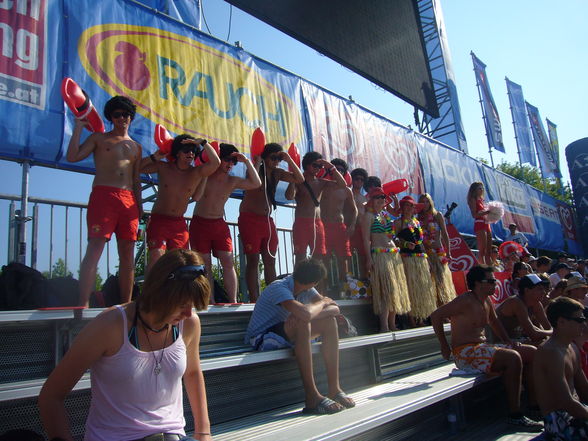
pixel 484 116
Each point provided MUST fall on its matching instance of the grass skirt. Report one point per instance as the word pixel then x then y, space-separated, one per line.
pixel 421 290
pixel 442 278
pixel 388 284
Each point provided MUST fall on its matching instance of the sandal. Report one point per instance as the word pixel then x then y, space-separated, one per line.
pixel 344 400
pixel 326 406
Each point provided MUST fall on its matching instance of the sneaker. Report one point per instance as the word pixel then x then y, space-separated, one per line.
pixel 528 424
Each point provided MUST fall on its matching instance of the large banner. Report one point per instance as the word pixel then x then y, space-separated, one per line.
pixel 547 159
pixel 547 218
pixel 553 142
pixel 491 118
pixel 520 123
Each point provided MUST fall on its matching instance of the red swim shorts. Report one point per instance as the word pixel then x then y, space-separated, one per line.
pixel 356 240
pixel 337 240
pixel 166 232
pixel 308 232
pixel 256 232
pixel 481 225
pixel 208 235
pixel 112 210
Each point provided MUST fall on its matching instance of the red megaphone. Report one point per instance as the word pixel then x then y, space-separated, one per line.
pixel 80 104
pixel 163 140
pixel 395 187
pixel 295 155
pixel 204 156
pixel 257 143
pixel 328 175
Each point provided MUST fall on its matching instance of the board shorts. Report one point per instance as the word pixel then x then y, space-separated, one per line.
pixel 308 232
pixel 561 426
pixel 271 339
pixel 356 240
pixel 208 235
pixel 476 356
pixel 257 232
pixel 336 239
pixel 481 225
pixel 112 210
pixel 166 232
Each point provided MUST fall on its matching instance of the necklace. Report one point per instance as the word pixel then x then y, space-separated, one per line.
pixel 146 325
pixel 157 368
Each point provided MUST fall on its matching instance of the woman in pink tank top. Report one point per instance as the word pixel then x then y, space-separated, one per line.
pixel 138 354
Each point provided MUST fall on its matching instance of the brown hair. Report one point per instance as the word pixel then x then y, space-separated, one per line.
pixel 562 307
pixel 162 295
pixel 428 197
pixel 473 189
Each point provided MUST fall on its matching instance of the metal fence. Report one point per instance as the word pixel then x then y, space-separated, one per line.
pixel 57 230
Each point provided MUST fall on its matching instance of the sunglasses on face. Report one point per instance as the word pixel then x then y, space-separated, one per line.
pixel 230 159
pixel 489 281
pixel 358 178
pixel 117 115
pixel 316 165
pixel 577 319
pixel 380 197
pixel 275 158
pixel 188 149
pixel 189 272
pixel 340 170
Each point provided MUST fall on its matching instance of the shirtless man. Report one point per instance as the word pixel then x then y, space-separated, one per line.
pixel 308 230
pixel 115 201
pixel 178 180
pixel 561 385
pixel 256 226
pixel 339 228
pixel 358 178
pixel 208 230
pixel 469 313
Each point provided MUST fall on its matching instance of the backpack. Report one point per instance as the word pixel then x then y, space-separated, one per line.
pixel 21 287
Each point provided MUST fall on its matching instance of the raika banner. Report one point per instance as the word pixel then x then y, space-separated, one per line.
pixel 547 160
pixel 520 123
pixel 491 118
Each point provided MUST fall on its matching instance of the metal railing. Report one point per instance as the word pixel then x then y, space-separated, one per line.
pixel 57 230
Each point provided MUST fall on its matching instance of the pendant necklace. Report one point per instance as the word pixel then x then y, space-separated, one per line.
pixel 157 368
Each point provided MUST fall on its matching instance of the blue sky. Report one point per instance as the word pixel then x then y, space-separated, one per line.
pixel 538 44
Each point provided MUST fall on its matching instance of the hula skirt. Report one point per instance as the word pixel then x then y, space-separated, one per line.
pixel 420 286
pixel 442 279
pixel 388 283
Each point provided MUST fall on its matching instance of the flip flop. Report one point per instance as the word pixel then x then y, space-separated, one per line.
pixel 344 400
pixel 326 406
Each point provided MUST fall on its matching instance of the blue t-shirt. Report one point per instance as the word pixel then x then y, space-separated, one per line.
pixel 268 311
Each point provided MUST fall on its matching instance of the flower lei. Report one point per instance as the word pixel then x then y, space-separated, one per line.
pixel 384 218
pixel 432 230
pixel 414 225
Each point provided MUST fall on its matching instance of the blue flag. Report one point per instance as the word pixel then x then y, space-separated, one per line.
pixel 547 160
pixel 520 123
pixel 492 120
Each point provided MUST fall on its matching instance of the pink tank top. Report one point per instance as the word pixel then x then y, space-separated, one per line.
pixel 128 400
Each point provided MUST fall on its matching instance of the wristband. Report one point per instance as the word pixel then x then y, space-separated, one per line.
pixel 152 157
pixel 203 143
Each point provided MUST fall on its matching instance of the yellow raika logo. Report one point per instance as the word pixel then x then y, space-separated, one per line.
pixel 187 86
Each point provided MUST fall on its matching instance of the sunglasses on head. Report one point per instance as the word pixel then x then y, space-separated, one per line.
pixel 117 115
pixel 188 272
pixel 577 319
pixel 230 159
pixel 275 157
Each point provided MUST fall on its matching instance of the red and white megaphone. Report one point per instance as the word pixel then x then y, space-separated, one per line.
pixel 80 104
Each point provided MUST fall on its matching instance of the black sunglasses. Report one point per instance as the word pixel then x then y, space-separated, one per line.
pixel 117 115
pixel 230 159
pixel 381 196
pixel 316 165
pixel 577 319
pixel 188 272
pixel 489 280
pixel 188 149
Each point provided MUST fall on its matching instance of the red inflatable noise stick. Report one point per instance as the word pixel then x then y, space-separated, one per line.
pixel 257 143
pixel 295 155
pixel 163 140
pixel 328 175
pixel 203 156
pixel 506 249
pixel 395 187
pixel 80 104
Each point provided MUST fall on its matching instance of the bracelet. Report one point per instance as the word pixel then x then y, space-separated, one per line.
pixel 152 157
pixel 201 433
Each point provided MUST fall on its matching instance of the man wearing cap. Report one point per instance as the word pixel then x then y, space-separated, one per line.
pixel 209 233
pixel 561 385
pixel 469 314
pixel 178 180
pixel 577 289
pixel 560 271
pixel 516 236
pixel 522 315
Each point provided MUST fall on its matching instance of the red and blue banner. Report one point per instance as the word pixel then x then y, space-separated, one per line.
pixel 547 157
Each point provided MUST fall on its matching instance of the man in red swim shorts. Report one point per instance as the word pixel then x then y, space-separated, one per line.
pixel 469 313
pixel 115 201
pixel 208 230
pixel 308 231
pixel 179 181
pixel 339 215
pixel 256 227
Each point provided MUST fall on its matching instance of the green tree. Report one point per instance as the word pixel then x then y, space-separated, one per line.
pixel 58 270
pixel 532 176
